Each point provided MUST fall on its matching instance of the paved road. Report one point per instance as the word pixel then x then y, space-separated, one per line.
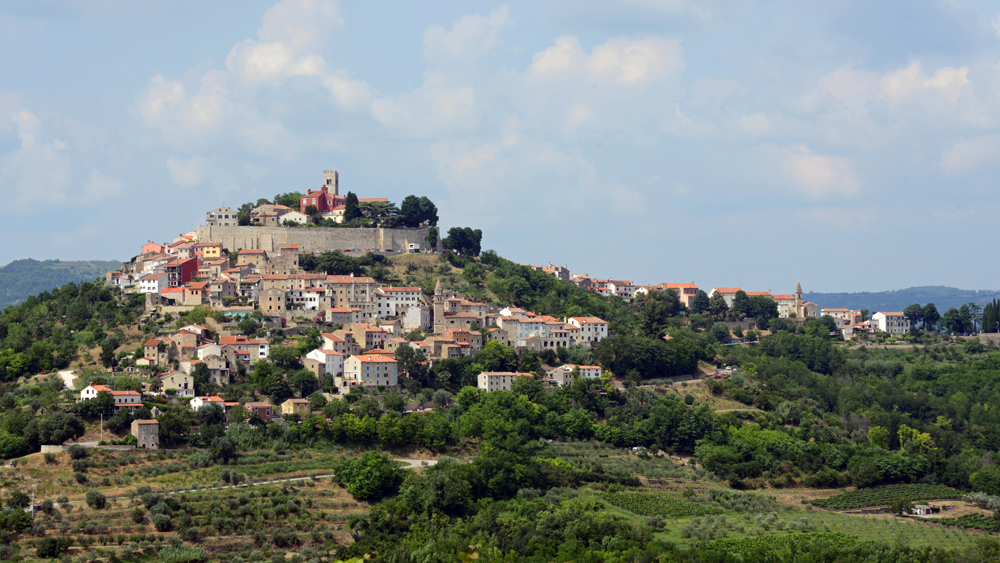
pixel 68 376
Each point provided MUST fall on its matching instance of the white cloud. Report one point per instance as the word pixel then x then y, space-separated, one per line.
pixel 849 86
pixel 188 119
pixel 270 63
pixel 39 172
pixel 818 175
pixel 623 61
pixel 905 82
pixel 302 24
pixel 99 186
pixel 577 116
pixel 966 155
pixel 996 25
pixel 187 172
pixel 470 37
pixel 349 94
pixel 856 87
pixel 429 110
pixel 756 124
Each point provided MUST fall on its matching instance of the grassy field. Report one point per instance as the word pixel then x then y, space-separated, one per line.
pixel 786 520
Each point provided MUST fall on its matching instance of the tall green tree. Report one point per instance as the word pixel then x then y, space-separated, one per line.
pixel 701 303
pixel 717 304
pixel 930 316
pixel 352 209
pixel 913 313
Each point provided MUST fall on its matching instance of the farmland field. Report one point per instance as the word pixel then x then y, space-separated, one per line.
pixel 653 504
pixel 884 495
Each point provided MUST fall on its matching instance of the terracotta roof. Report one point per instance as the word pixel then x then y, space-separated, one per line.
pixel 589 320
pixel 374 358
pixel 725 290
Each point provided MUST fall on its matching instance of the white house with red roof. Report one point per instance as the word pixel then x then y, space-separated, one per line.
pixel 90 392
pixel 198 402
pixel 154 283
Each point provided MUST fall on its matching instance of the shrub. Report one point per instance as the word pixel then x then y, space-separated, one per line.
pixel 162 522
pixel 80 477
pixel 96 500
pixel 51 546
pixel 77 451
pixel 50 458
pixel 138 516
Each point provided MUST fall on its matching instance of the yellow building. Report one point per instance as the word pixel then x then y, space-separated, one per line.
pixel 295 406
pixel 211 250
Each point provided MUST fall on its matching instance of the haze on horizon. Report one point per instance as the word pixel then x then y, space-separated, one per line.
pixel 849 145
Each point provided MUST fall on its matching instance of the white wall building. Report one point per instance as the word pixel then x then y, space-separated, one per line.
pixel 592 329
pixel 893 323
pixel 391 301
pixel 499 380
pixel 333 361
pixel 154 283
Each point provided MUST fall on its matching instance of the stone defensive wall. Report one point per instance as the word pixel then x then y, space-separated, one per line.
pixel 312 239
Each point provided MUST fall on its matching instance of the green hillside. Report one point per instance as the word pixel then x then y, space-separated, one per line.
pixel 23 278
pixel 942 297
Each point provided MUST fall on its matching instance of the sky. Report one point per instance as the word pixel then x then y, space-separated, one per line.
pixel 846 145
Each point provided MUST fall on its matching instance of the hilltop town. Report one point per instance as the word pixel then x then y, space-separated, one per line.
pixel 256 293
pixel 318 332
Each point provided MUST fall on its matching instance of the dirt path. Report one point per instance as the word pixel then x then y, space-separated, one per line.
pixel 68 376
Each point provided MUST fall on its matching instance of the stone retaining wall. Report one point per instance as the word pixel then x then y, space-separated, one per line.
pixel 312 239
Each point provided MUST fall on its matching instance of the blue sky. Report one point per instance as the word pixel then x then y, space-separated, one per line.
pixel 848 145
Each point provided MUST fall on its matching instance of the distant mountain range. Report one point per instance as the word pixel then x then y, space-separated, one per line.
pixel 23 278
pixel 942 297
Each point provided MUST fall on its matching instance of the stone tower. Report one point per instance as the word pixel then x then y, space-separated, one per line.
pixel 798 300
pixel 331 181
pixel 438 303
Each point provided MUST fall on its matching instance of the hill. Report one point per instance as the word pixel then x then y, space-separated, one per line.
pixel 23 278
pixel 942 297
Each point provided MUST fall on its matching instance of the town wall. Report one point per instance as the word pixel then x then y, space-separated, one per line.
pixel 315 239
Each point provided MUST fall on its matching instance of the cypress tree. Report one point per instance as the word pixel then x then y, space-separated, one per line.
pixel 352 210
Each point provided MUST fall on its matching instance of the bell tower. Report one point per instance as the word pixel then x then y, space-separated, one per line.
pixel 798 300
pixel 331 181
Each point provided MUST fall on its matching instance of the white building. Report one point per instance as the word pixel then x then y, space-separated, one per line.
pixel 154 283
pixel 592 329
pixel 499 380
pixel 895 324
pixel 295 217
pixel 90 392
pixel 622 288
pixel 198 402
pixel 391 301
pixel 563 375
pixel 333 361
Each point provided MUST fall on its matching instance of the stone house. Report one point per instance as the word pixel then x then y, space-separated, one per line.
pixel 147 433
